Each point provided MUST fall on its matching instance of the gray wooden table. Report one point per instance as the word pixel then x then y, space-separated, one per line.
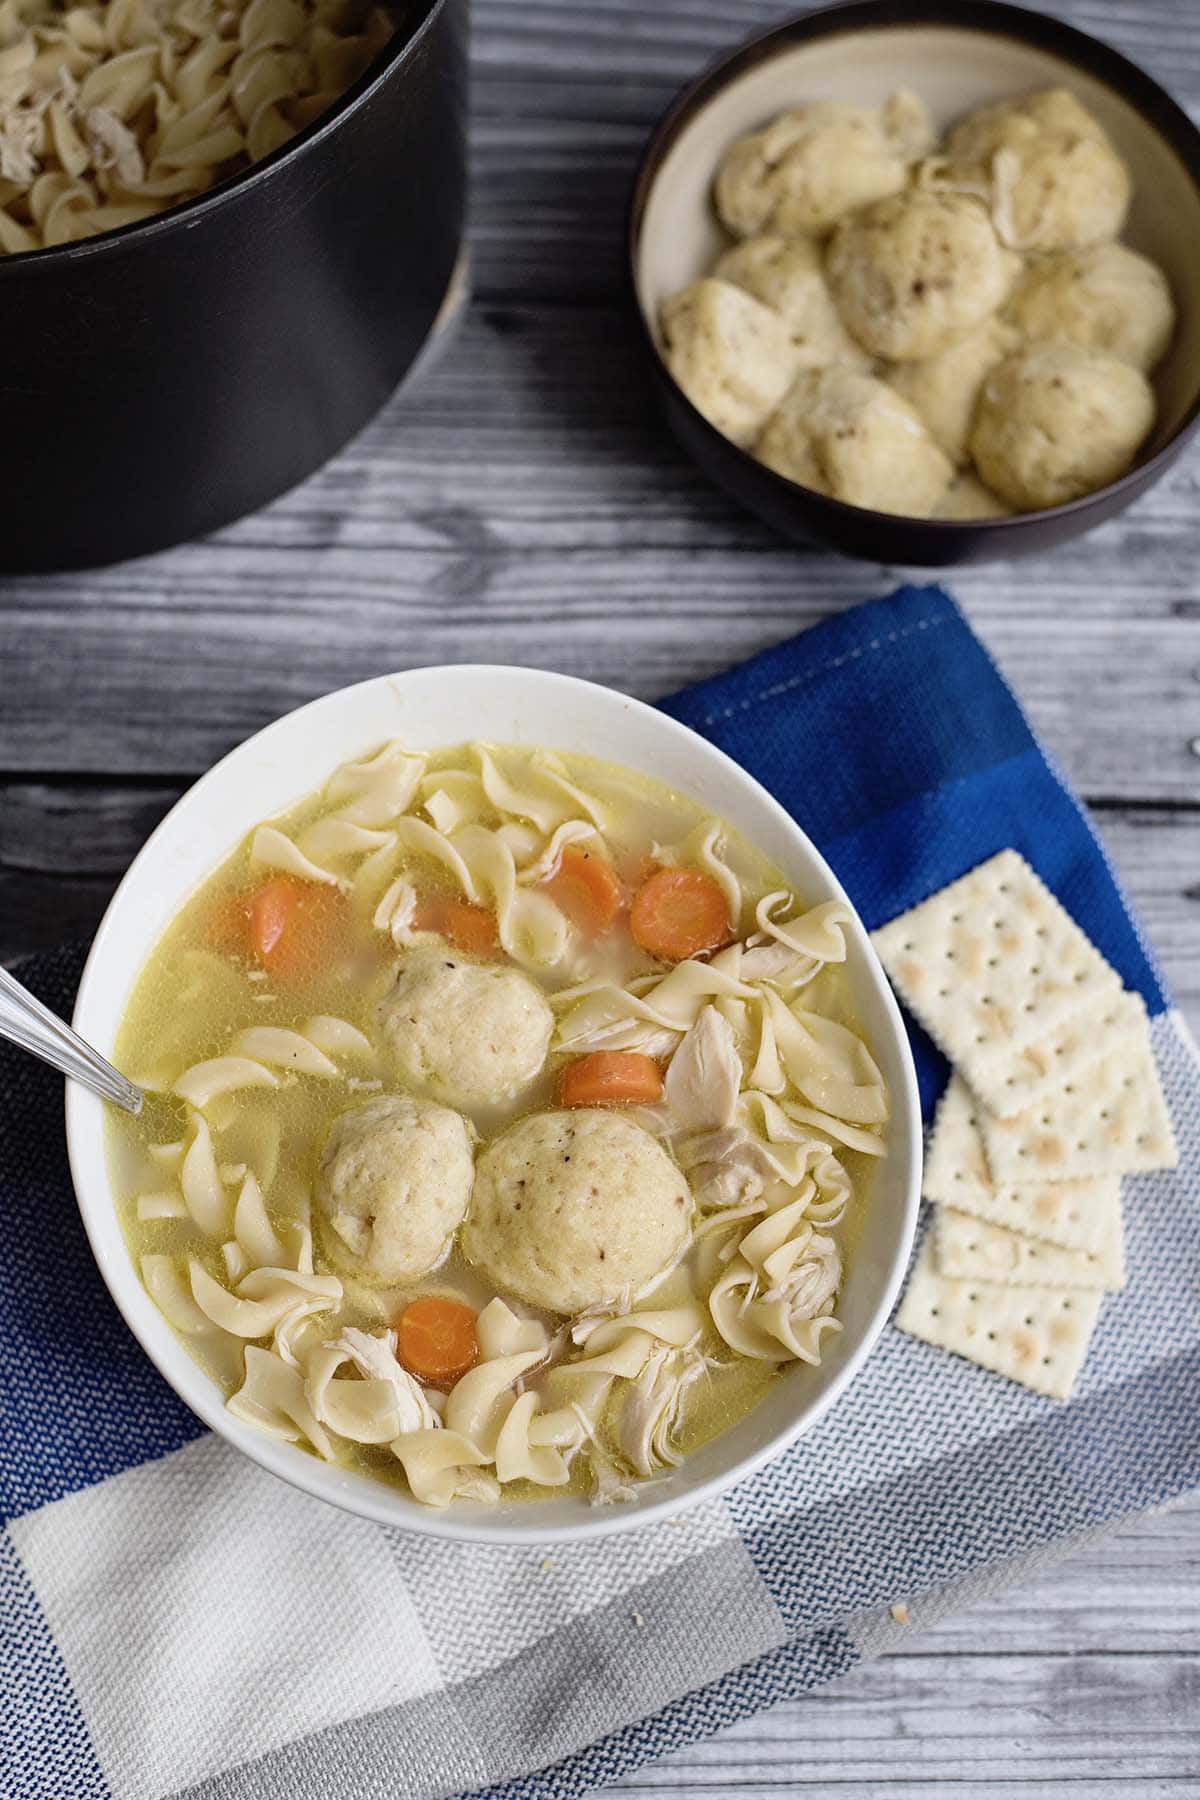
pixel 522 503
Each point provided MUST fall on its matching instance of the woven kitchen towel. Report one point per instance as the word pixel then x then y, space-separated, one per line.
pixel 175 1622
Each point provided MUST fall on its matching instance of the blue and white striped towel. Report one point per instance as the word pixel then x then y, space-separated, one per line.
pixel 175 1622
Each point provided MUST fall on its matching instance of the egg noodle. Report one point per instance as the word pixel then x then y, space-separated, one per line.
pixel 769 1113
pixel 112 113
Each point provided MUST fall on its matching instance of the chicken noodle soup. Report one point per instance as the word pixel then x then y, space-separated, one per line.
pixel 508 1124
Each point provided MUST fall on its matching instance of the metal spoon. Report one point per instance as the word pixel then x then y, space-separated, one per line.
pixel 26 1022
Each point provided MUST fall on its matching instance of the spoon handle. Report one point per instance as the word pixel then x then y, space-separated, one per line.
pixel 26 1022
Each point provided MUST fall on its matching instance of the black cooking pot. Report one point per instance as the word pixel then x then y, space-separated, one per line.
pixel 167 378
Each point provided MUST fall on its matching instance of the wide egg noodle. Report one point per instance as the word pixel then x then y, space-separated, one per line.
pixel 758 1091
pixel 377 1407
pixel 273 1399
pixel 110 112
pixel 441 1466
pixel 775 1299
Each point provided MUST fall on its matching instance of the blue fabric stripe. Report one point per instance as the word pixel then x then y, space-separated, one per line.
pixel 45 1750
pixel 79 1399
pixel 1067 1471
pixel 890 736
pixel 863 712
pixel 796 1668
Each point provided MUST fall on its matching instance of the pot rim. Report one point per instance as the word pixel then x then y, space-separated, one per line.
pixel 185 215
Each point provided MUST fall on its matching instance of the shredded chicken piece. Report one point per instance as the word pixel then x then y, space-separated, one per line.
pixel 114 146
pixel 704 1075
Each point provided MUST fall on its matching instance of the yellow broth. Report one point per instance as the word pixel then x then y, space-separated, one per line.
pixel 199 987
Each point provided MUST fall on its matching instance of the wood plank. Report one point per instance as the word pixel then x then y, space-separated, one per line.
pixel 65 845
pixel 976 1728
pixel 521 539
pixel 565 98
pixel 1087 1680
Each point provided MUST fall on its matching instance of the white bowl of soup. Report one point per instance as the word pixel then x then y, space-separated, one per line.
pixel 532 1145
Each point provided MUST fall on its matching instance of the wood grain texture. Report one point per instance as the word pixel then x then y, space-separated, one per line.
pixel 522 502
pixel 1087 1681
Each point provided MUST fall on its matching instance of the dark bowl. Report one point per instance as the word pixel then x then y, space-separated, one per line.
pixel 956 54
pixel 169 377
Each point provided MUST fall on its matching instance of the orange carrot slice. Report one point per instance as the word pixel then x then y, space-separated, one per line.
pixel 678 913
pixel 610 1078
pixel 270 910
pixel 586 888
pixel 293 927
pixel 436 1339
pixel 470 928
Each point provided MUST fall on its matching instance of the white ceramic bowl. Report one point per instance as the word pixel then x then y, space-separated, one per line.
pixel 438 707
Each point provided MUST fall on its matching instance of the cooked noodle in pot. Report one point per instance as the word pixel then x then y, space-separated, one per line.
pixel 112 113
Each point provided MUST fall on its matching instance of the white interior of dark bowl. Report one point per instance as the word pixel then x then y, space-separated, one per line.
pixel 954 69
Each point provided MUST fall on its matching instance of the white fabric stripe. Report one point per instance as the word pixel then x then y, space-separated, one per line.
pixel 208 1614
pixel 482 1605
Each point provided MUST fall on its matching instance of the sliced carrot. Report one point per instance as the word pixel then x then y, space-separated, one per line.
pixel 586 888
pixel 610 1078
pixel 678 913
pixel 470 928
pixel 436 1339
pixel 270 910
pixel 294 927
pixel 427 914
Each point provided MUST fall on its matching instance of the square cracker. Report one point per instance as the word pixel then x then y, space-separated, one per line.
pixel 1111 1119
pixel 992 964
pixel 1037 1336
pixel 1011 1084
pixel 1078 1215
pixel 969 1249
